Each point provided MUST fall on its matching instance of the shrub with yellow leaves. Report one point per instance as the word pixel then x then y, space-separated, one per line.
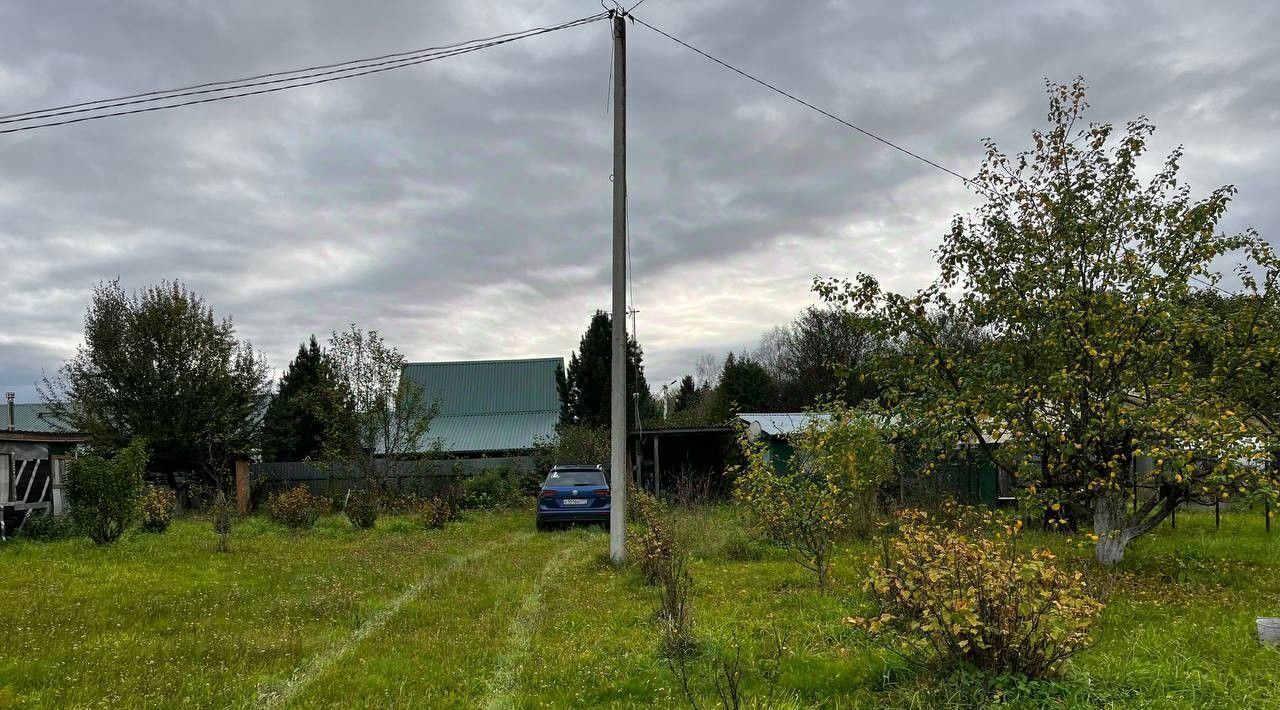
pixel 362 508
pixel 435 513
pixel 664 564
pixel 652 546
pixel 948 597
pixel 156 509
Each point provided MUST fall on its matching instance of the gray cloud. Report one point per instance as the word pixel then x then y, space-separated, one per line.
pixel 462 206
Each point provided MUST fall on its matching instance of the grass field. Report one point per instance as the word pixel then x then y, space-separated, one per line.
pixel 486 613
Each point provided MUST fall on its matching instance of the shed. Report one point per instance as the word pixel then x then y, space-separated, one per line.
pixel 666 459
pixel 489 408
pixel 776 428
pixel 34 444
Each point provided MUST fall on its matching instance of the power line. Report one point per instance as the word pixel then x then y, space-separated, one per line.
pixel 392 56
pixel 349 70
pixel 1212 285
pixel 608 94
pixel 802 102
pixel 345 67
pixel 842 121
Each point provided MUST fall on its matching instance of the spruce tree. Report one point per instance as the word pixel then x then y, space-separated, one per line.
pixel 588 381
pixel 688 396
pixel 310 411
pixel 745 386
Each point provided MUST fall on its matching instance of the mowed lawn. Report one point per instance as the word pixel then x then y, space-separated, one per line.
pixel 488 613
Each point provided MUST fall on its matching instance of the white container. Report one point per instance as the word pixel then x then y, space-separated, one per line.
pixel 1269 631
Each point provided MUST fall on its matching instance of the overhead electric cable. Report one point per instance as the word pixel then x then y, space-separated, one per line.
pixel 392 56
pixel 802 102
pixel 349 70
pixel 1210 284
pixel 833 117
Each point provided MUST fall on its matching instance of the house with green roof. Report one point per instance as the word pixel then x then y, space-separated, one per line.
pixel 489 408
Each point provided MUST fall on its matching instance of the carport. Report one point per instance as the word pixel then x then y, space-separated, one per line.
pixel 665 460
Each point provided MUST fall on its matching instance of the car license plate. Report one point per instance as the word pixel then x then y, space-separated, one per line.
pixel 573 501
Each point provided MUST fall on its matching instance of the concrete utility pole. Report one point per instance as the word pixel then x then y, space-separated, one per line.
pixel 618 393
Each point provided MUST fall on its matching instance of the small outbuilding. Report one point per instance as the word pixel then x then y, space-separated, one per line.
pixel 666 460
pixel 34 446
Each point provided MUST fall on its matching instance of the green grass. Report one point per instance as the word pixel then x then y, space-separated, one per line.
pixel 486 613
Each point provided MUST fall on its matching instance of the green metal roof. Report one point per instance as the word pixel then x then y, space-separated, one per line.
pixel 490 405
pixel 476 433
pixel 33 418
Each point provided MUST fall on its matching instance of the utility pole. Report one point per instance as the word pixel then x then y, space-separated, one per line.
pixel 618 393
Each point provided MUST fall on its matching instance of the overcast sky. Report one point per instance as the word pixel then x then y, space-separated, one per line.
pixel 462 207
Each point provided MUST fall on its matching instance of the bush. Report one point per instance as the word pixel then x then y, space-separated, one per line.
pixel 399 502
pixel 572 444
pixel 664 564
pixel 677 640
pixel 740 546
pixel 222 513
pixel 435 513
pixel 694 489
pixel 362 509
pixel 157 506
pixel 653 547
pixel 102 495
pixel 825 492
pixel 296 508
pixel 495 488
pixel 47 528
pixel 947 599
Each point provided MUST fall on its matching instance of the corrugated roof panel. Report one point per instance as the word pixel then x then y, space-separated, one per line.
pixel 491 432
pixel 490 405
pixel 489 386
pixel 780 423
pixel 32 418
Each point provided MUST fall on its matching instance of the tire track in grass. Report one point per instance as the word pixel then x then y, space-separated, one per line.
pixel 501 686
pixel 279 695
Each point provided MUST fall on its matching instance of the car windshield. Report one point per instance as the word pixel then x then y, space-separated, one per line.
pixel 584 477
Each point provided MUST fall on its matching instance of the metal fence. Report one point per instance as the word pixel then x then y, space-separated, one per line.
pixel 968 482
pixel 974 482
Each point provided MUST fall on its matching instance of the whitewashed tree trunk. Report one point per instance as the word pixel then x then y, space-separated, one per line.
pixel 1111 525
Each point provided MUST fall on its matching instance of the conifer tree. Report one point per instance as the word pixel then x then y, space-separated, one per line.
pixel 311 409
pixel 588 382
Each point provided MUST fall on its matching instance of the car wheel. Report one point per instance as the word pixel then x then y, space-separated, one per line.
pixel 541 526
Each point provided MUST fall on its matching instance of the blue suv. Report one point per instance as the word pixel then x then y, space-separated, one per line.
pixel 573 493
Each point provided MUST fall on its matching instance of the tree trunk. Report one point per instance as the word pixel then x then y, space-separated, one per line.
pixel 1111 525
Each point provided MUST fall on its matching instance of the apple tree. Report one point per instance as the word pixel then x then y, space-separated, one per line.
pixel 1104 382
